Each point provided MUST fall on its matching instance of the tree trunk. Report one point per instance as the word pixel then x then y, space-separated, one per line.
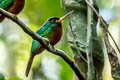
pixel 77 37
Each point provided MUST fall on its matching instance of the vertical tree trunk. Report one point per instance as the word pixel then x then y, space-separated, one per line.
pixel 78 22
pixel 78 34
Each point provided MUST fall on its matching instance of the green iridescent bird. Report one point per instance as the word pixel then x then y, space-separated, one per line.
pixel 12 6
pixel 52 30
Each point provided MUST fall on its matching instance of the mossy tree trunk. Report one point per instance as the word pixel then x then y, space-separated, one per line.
pixel 77 37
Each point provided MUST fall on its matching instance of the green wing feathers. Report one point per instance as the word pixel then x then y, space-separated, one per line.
pixel 44 33
pixel 36 48
pixel 35 45
pixel 5 4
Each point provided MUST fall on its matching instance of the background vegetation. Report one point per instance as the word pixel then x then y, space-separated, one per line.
pixel 15 44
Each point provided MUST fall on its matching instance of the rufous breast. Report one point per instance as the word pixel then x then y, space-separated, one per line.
pixel 17 6
pixel 56 34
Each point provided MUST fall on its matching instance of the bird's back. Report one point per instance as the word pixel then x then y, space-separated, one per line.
pixel 5 4
pixel 52 34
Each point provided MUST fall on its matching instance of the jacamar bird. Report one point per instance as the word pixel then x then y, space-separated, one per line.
pixel 52 30
pixel 12 6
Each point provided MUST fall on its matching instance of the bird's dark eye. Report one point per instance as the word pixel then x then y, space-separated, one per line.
pixel 53 20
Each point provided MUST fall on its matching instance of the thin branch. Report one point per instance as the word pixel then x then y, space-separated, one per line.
pixel 112 53
pixel 45 43
pixel 104 24
pixel 82 57
pixel 89 50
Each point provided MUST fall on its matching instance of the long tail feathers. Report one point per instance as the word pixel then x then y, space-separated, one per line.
pixel 29 65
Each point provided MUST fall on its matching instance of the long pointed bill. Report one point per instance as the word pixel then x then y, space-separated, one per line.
pixel 65 16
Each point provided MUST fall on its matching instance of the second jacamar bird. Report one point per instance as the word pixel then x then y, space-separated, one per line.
pixel 12 6
pixel 52 30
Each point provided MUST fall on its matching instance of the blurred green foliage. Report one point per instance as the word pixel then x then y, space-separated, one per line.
pixel 38 11
pixel 14 78
pixel 102 4
pixel 17 49
pixel 2 77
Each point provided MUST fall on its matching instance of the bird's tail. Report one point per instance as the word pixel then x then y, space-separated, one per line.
pixel 29 65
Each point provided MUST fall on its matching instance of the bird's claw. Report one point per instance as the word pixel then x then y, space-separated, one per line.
pixel 46 39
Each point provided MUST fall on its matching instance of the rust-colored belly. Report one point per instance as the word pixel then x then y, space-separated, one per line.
pixel 56 35
pixel 17 6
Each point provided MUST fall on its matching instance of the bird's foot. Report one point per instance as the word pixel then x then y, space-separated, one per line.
pixel 15 15
pixel 46 41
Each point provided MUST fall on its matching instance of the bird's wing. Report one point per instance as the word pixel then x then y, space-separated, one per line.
pixel 46 29
pixel 5 4
pixel 43 33
pixel 36 48
pixel 46 33
pixel 35 45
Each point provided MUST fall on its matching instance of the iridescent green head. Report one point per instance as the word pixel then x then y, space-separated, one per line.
pixel 55 20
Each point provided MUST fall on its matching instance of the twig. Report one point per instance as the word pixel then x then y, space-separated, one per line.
pixel 89 50
pixel 112 53
pixel 82 57
pixel 104 25
pixel 43 42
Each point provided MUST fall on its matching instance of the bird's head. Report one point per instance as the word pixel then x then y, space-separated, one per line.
pixel 55 20
pixel 59 20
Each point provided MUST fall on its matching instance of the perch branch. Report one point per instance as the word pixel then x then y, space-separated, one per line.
pixel 45 43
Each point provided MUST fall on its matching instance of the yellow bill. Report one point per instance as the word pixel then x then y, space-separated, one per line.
pixel 65 16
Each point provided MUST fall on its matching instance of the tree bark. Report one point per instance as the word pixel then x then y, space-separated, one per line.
pixel 78 22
